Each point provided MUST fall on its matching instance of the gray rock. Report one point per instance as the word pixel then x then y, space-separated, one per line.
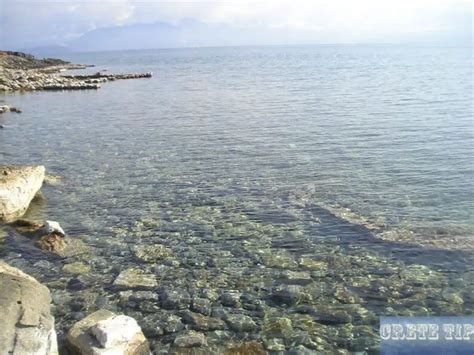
pixel 18 186
pixel 104 332
pixel 274 344
pixel 210 294
pixel 333 317
pixel 290 295
pixel 140 296
pixel 230 299
pixel 173 324
pixel 300 350
pixel 296 275
pixel 251 302
pixel 175 299
pixel 135 279
pixel 190 339
pixel 201 322
pixel 240 323
pixel 76 268
pixel 202 305
pixel 152 253
pixel 26 324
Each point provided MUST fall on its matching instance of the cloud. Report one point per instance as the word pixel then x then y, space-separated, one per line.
pixel 26 23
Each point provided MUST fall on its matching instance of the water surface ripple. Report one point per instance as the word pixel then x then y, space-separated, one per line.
pixel 350 165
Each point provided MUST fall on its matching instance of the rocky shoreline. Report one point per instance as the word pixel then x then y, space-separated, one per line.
pixel 21 72
pixel 26 305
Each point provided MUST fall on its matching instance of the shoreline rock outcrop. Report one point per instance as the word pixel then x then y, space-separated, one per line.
pixel 26 323
pixel 18 186
pixel 23 72
pixel 108 77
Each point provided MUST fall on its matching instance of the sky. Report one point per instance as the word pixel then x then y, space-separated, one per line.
pixel 32 23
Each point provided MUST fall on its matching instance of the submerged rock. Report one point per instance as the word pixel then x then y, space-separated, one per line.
pixel 173 324
pixel 190 339
pixel 76 268
pixel 274 344
pixel 311 264
pixel 452 296
pixel 18 186
pixel 346 296
pixel 296 275
pixel 201 322
pixel 55 242
pixel 175 299
pixel 202 305
pixel 247 348
pixel 52 242
pixel 240 323
pixel 280 327
pixel 152 253
pixel 230 299
pixel 53 180
pixel 26 323
pixel 135 279
pixel 25 226
pixel 290 295
pixel 104 332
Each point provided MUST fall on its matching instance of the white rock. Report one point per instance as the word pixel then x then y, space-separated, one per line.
pixel 52 227
pixel 105 333
pixel 18 186
pixel 115 331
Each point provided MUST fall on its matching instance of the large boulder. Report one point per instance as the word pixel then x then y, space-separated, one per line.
pixel 18 186
pixel 26 323
pixel 104 332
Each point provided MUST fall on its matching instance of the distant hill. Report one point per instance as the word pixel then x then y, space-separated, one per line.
pixel 187 33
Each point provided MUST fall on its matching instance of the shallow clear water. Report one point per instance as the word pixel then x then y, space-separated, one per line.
pixel 237 152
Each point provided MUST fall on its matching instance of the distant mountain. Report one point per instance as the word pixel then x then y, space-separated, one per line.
pixel 187 33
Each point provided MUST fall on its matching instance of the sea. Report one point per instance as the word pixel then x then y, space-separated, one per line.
pixel 248 163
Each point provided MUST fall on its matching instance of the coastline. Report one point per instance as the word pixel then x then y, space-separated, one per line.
pixel 22 72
